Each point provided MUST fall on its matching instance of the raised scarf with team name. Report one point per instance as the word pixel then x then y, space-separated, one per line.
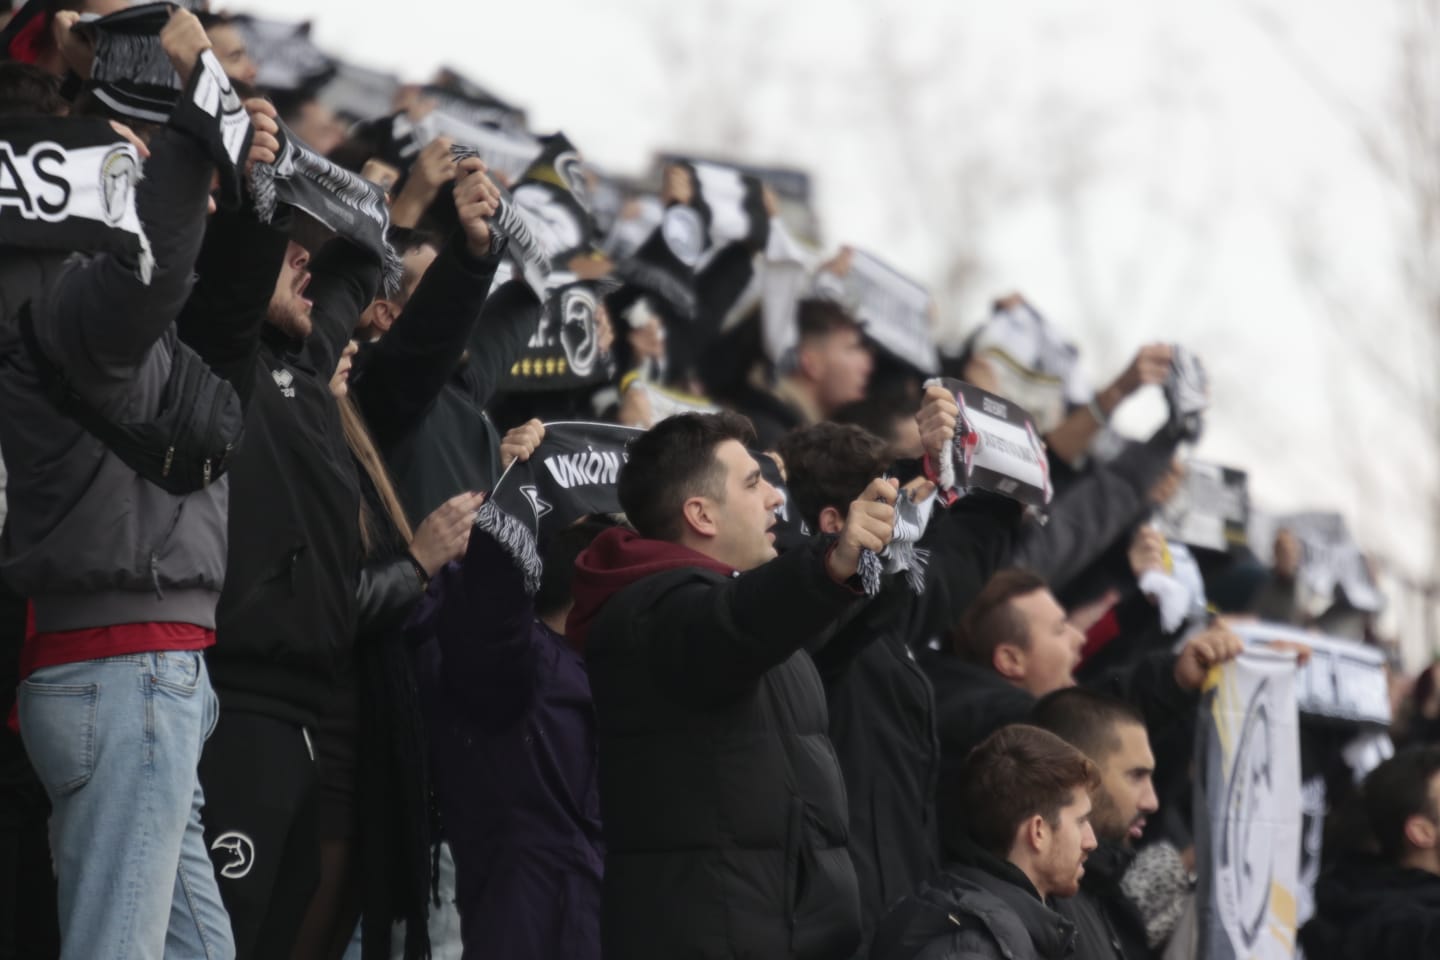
pixel 69 185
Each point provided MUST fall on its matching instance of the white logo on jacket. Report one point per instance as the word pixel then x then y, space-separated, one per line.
pixel 285 380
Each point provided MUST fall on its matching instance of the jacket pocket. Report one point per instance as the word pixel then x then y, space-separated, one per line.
pixel 58 721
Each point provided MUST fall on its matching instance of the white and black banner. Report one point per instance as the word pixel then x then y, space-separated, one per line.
pixel 1211 510
pixel 1331 558
pixel 1343 681
pixel 1248 809
pixel 69 185
pixel 996 448
pixel 731 205
pixel 894 309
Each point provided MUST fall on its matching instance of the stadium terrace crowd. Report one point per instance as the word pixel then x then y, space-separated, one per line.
pixel 391 497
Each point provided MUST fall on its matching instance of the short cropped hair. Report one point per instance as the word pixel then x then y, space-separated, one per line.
pixel 818 317
pixel 829 465
pixel 1016 773
pixel 1397 790
pixel 672 462
pixel 1085 719
pixel 990 620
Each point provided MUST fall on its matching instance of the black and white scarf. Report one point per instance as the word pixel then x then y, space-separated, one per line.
pixel 546 214
pixel 131 74
pixel 996 448
pixel 343 201
pixel 69 185
pixel 903 555
pixel 1187 392
pixel 133 78
pixel 572 474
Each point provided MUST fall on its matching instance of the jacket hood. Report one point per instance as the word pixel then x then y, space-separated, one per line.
pixel 616 559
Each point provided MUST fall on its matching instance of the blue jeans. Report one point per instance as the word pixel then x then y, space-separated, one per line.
pixel 116 743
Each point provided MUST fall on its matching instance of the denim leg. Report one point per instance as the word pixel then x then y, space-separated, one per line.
pixel 199 925
pixel 116 743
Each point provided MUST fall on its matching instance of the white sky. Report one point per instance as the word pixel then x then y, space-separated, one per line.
pixel 1198 156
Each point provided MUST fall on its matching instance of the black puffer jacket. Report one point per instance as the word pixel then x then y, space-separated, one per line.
pixel 985 910
pixel 882 709
pixel 1369 910
pixel 1108 924
pixel 721 799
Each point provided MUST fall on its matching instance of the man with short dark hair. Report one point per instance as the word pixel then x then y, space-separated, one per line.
pixel 1015 644
pixel 882 707
pixel 1112 734
pixel 1028 805
pixel 722 802
pixel 830 368
pixel 1388 905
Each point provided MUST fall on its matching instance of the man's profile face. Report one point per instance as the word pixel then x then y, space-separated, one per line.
pixel 1062 863
pixel 289 310
pixel 229 48
pixel 744 517
pixel 1127 791
pixel 1054 645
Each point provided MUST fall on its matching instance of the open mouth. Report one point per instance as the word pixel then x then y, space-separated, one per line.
pixel 300 290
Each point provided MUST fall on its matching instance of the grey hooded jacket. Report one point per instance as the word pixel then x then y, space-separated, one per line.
pixel 86 539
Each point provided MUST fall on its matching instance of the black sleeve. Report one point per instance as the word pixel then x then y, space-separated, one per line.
pixel 236 271
pixel 1096 510
pixel 398 378
pixel 99 320
pixel 507 322
pixel 714 642
pixel 386 593
pixel 343 281
pixel 485 628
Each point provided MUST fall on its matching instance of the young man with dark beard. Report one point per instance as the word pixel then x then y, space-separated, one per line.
pixel 1112 734
pixel 722 803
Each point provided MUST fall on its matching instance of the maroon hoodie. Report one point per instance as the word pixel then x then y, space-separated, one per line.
pixel 616 559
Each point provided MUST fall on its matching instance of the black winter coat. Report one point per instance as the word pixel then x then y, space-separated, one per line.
pixel 980 911
pixel 286 620
pixel 1369 910
pixel 1108 925
pixel 722 802
pixel 882 708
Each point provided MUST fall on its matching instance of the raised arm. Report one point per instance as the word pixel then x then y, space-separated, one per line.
pixel 399 377
pixel 100 318
pixel 343 281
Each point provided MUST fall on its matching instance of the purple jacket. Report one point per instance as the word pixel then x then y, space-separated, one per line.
pixel 512 737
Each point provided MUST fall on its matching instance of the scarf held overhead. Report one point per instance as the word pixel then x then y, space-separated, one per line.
pixel 69 185
pixel 343 201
